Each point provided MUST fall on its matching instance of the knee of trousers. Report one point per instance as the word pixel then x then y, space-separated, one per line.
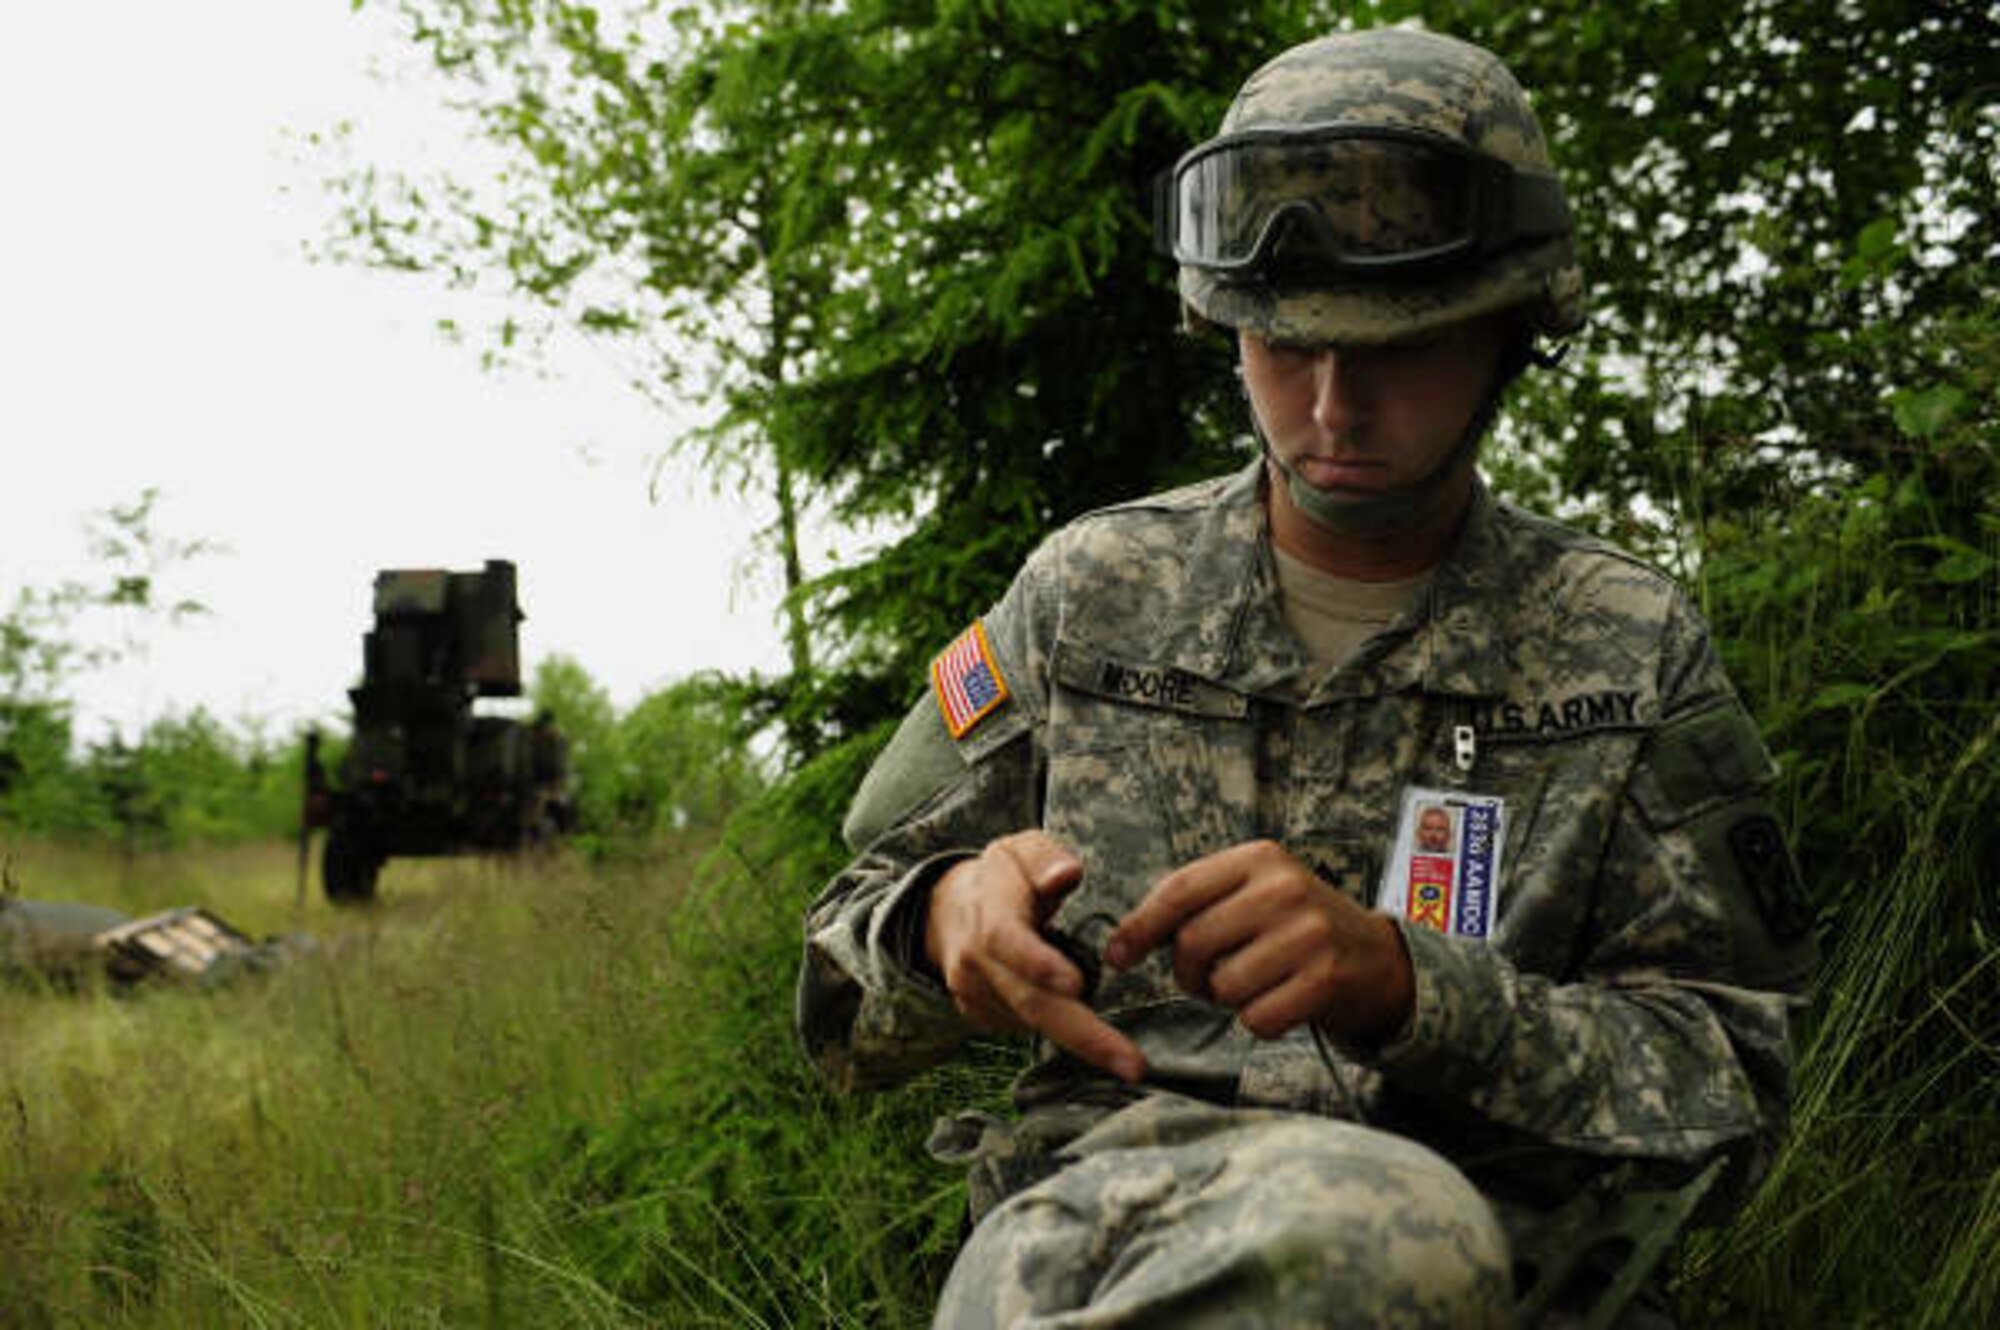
pixel 1371 1228
pixel 1259 1221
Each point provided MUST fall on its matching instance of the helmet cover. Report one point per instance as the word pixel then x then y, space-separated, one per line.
pixel 1409 83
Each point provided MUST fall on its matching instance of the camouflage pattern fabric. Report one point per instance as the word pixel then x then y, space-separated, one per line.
pixel 1179 1213
pixel 1633 1003
pixel 1408 80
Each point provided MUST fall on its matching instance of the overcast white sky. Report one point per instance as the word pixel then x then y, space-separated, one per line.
pixel 159 326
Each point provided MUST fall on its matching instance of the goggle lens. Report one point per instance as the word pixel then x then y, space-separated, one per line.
pixel 1346 198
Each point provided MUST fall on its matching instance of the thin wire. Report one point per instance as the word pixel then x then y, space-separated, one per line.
pixel 1355 1111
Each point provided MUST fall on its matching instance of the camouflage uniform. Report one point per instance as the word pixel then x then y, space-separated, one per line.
pixel 1631 1008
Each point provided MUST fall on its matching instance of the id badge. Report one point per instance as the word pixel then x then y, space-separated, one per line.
pixel 1444 872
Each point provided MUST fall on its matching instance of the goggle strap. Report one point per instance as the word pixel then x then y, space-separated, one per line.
pixel 1164 210
pixel 1537 211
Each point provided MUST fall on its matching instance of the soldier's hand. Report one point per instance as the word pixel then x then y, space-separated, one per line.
pixel 1256 930
pixel 984 935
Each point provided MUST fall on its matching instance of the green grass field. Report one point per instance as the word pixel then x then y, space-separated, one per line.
pixel 343 1142
pixel 552 1093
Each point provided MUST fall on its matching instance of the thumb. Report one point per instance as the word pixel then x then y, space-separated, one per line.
pixel 1049 866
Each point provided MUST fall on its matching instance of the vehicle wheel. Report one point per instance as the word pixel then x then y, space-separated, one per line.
pixel 348 868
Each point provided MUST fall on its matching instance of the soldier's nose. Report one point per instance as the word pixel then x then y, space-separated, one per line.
pixel 1338 405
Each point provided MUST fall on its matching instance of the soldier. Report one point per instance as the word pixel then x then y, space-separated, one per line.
pixel 1162 805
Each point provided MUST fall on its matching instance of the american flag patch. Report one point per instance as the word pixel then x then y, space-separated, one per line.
pixel 967 681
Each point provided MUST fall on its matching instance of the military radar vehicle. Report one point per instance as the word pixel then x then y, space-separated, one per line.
pixel 427 772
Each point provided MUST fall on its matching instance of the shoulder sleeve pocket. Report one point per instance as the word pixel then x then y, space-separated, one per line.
pixel 1699 762
pixel 1703 780
pixel 921 759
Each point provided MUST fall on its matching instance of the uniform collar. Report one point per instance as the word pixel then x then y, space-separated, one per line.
pixel 1236 631
pixel 1461 640
pixel 1454 640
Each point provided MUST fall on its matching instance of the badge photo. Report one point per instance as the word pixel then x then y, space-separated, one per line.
pixel 1444 869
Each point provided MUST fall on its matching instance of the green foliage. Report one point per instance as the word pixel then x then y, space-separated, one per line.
pixel 184 779
pixel 679 760
pixel 1865 625
pixel 996 242
pixel 584 712
pixel 899 248
pixel 35 767
pixel 50 635
pixel 882 238
pixel 733 1189
pixel 41 647
pixel 1785 209
pixel 683 759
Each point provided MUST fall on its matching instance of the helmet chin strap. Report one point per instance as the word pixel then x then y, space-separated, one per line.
pixel 1376 512
pixel 1383 512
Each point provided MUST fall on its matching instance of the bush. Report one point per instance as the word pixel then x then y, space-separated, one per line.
pixel 734 1190
pixel 1865 626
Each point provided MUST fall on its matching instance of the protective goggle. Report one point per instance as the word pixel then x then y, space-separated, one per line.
pixel 1352 200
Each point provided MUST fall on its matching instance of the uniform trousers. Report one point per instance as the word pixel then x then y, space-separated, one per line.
pixel 1201 1217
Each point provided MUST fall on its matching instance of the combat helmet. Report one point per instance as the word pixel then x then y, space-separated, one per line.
pixel 1372 186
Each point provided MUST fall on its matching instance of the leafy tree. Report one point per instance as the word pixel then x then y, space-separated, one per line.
pixel 1784 208
pixel 36 739
pixel 50 635
pixel 680 760
pixel 933 212
pixel 1002 351
pixel 662 204
pixel 684 762
pixel 908 240
pixel 903 243
pixel 583 711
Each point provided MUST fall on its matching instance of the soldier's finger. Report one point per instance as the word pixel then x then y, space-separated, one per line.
pixel 1049 866
pixel 1027 953
pixel 1277 1010
pixel 1213 941
pixel 1261 964
pixel 1069 1024
pixel 1173 900
pixel 983 1008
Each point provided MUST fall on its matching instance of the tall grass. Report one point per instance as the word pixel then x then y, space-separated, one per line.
pixel 1874 664
pixel 734 1190
pixel 551 1094
pixel 349 1141
pixel 568 1094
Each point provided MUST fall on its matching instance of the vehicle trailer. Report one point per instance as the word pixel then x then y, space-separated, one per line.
pixel 424 772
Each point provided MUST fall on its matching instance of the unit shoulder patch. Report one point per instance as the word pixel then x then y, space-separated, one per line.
pixel 1772 876
pixel 966 680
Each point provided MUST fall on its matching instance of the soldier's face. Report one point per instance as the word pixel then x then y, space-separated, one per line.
pixel 1365 420
pixel 1434 831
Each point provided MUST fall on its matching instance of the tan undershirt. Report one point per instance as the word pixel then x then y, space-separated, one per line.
pixel 1334 615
